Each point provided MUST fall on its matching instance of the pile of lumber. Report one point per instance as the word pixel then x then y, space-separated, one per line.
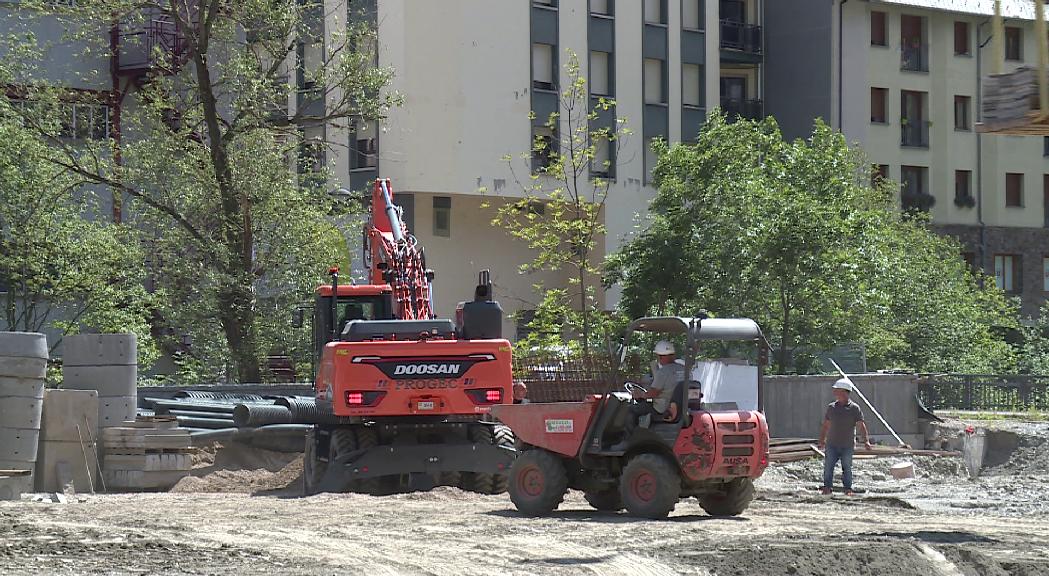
pixel 150 453
pixel 783 450
pixel 1010 104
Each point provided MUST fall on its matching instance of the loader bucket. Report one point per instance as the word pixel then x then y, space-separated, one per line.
pixel 557 426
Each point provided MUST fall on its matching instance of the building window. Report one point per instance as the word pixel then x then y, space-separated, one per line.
pixel 881 172
pixel 1007 272
pixel 601 163
pixel 650 159
pixel 544 147
pixel 406 202
pixel 878 105
pixel 1014 189
pixel 961 39
pixel 1045 200
pixel 913 186
pixel 442 216
pixel 84 121
pixel 365 153
pixel 914 130
pixel 602 7
pixel 551 3
pixel 1013 43
pixel 970 260
pixel 878 34
pixel 692 85
pixel 543 66
pixel 1045 274
pixel 1045 145
pixel 914 51
pixel 692 14
pixel 600 73
pixel 962 187
pixel 962 106
pixel 655 11
pixel 654 92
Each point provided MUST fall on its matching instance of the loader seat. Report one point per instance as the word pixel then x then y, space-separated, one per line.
pixel 614 418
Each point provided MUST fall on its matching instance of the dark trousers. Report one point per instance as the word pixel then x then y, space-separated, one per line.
pixel 835 455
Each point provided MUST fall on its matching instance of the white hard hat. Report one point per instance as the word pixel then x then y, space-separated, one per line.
pixel 663 348
pixel 843 384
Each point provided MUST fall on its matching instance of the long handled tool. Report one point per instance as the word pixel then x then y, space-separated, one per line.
pixel 869 405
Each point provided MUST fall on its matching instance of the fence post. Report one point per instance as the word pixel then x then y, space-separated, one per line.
pixel 968 402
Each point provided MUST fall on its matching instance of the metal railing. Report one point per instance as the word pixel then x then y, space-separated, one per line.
pixel 741 36
pixel 158 43
pixel 746 109
pixel 981 392
pixel 914 57
pixel 562 378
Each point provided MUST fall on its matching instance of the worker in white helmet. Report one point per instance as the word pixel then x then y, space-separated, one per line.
pixel 667 373
pixel 838 435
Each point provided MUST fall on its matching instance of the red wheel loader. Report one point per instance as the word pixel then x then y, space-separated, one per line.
pixel 402 395
pixel 594 446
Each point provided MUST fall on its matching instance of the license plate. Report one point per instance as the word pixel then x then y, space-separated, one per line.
pixel 424 406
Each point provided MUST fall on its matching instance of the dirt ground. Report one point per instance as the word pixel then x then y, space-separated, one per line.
pixel 242 522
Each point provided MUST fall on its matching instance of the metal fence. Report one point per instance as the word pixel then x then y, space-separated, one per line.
pixel 555 378
pixel 1000 393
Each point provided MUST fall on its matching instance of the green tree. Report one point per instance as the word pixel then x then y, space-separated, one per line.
pixel 59 268
pixel 795 235
pixel 560 214
pixel 206 153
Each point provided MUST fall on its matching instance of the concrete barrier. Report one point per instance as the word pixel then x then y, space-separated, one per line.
pixel 67 441
pixel 107 364
pixel 795 405
pixel 23 366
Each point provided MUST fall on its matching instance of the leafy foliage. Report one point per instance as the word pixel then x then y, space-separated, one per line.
pixel 560 215
pixel 60 269
pixel 794 235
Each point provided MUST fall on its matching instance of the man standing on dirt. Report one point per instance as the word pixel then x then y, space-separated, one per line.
pixel 838 436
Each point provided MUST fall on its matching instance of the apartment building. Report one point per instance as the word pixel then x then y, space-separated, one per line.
pixel 902 79
pixel 472 70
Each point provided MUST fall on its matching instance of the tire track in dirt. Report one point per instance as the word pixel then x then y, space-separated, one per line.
pixel 600 562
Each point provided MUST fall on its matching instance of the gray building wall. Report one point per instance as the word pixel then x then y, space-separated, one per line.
pixel 799 56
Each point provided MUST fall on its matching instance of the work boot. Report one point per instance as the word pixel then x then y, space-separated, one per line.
pixel 825 491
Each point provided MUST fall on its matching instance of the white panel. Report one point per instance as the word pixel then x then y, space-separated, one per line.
pixel 599 6
pixel 653 13
pixel 690 14
pixel 653 81
pixel 690 85
pixel 599 72
pixel 728 383
pixel 542 63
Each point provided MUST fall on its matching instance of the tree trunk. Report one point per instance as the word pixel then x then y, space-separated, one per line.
pixel 237 315
pixel 785 337
pixel 585 311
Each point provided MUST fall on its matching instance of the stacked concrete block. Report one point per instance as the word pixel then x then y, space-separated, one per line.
pixel 23 366
pixel 68 452
pixel 148 454
pixel 108 364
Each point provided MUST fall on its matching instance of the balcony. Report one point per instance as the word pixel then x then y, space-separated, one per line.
pixel 740 36
pixel 155 46
pixel 745 109
pixel 914 58
pixel 914 133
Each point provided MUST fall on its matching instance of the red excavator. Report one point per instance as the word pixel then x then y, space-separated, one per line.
pixel 403 395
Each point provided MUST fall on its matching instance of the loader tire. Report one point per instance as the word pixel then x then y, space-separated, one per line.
pixel 477 481
pixel 608 500
pixel 378 485
pixel 733 501
pixel 313 469
pixel 538 482
pixel 650 486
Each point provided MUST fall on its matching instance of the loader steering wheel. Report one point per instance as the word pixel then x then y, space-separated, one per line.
pixel 633 388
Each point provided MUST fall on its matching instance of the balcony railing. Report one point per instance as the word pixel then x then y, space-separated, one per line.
pixel 156 45
pixel 914 134
pixel 746 109
pixel 914 57
pixel 741 36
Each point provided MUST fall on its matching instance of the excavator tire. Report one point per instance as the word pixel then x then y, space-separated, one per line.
pixel 343 440
pixel 313 470
pixel 477 481
pixel 538 482
pixel 502 436
pixel 737 496
pixel 650 486
pixel 608 500
pixel 379 485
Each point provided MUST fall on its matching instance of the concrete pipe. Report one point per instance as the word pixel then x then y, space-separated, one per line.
pixel 23 387
pixel 23 355
pixel 99 350
pixel 107 380
pixel 115 410
pixel 20 412
pixel 260 415
pixel 19 444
